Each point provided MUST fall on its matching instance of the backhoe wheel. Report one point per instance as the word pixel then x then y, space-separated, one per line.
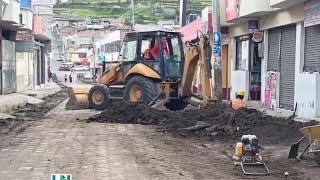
pixel 316 146
pixel 98 97
pixel 140 89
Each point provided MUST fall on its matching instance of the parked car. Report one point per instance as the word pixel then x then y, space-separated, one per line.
pixel 64 68
pixel 80 68
pixel 60 58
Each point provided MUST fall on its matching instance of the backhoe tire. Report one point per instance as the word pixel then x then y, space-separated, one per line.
pixel 316 146
pixel 99 97
pixel 140 89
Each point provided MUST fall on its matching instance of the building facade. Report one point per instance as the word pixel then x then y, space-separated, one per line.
pixel 13 20
pixel 275 53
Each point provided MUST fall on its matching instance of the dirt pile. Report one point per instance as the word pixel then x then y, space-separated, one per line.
pixel 216 122
pixel 32 112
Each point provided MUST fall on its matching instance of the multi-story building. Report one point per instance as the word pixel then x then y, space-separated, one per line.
pixel 25 69
pixel 12 21
pixel 43 8
pixel 275 53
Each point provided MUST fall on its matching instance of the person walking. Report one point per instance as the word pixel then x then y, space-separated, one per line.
pixel 70 78
pixel 78 77
pixel 49 75
pixel 65 78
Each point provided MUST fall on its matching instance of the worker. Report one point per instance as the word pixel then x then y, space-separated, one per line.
pixel 239 103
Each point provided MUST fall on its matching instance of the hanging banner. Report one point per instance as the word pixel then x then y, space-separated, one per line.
pixel 312 13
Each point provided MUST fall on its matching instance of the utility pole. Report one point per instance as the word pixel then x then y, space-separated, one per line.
pixel 94 53
pixel 217 49
pixel 132 11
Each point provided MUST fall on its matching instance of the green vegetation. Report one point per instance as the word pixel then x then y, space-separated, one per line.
pixel 146 11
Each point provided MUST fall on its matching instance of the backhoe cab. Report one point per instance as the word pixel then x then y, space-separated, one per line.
pixel 152 67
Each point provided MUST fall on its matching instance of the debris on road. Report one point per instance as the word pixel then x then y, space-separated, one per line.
pixel 32 112
pixel 216 122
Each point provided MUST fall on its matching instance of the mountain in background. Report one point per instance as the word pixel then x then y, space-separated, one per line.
pixel 146 11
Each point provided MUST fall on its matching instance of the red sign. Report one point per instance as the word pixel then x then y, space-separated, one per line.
pixel 232 10
pixel 84 61
pixel 257 37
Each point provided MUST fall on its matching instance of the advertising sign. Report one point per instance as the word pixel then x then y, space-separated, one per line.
pixel 217 43
pixel 257 37
pixel 312 13
pixel 232 9
pixel 102 56
pixel 253 26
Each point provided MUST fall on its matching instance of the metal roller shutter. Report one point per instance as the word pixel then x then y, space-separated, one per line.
pixel 273 49
pixel 287 66
pixel 312 48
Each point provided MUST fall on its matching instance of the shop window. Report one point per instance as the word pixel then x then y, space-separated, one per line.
pixel 312 49
pixel 238 55
pixel 82 55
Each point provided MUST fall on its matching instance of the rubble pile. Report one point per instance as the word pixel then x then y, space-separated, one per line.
pixel 216 122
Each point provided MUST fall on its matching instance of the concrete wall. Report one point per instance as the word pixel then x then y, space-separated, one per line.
pixel 251 7
pixel 27 18
pixel 284 17
pixel 12 12
pixel 24 68
pixel 275 19
pixel 307 86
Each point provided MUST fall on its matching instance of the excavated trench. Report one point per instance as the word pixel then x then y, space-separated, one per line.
pixel 217 122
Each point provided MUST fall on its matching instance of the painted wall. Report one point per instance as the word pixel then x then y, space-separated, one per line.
pixel 24 71
pixel 284 17
pixel 284 3
pixel 239 81
pixel 27 18
pixel 12 11
pixel 307 85
pixel 275 19
pixel 251 7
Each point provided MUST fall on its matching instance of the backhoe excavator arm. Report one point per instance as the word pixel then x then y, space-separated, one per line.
pixel 198 50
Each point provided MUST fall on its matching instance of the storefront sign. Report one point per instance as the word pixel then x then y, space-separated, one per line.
pixel 257 37
pixel 232 10
pixel 102 56
pixel 253 26
pixel 24 35
pixel 312 13
pixel 84 61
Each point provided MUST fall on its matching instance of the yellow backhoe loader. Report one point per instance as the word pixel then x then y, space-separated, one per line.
pixel 153 67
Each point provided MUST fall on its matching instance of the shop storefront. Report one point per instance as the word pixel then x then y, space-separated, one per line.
pixel 281 58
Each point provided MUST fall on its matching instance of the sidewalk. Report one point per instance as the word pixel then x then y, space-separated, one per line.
pixel 35 96
pixel 278 112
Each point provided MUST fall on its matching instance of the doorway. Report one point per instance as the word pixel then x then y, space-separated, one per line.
pixel 254 72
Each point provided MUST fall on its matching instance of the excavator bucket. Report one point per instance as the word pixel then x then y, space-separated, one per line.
pixel 78 98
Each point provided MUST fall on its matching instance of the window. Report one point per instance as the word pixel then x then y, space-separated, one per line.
pixel 82 55
pixel 238 55
pixel 242 54
pixel 172 56
pixel 129 49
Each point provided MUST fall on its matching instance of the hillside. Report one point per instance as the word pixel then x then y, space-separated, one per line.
pixel 146 11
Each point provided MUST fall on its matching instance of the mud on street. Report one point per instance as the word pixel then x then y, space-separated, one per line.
pixel 131 141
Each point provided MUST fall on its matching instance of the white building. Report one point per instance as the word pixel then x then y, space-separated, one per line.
pixel 275 52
